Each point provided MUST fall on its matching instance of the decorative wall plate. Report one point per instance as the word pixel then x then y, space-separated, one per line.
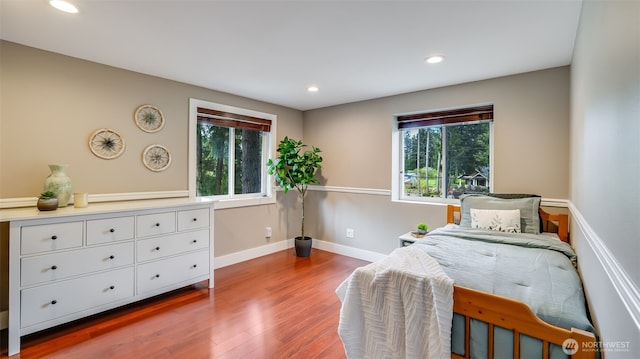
pixel 149 118
pixel 156 158
pixel 106 143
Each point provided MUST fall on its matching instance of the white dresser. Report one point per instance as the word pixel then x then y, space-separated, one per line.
pixel 74 262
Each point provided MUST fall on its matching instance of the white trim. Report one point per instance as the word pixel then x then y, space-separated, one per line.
pixel 357 253
pixel 249 254
pixel 396 160
pixel 243 202
pixel 130 196
pixel 397 155
pixel 98 197
pixel 268 145
pixel 253 201
pixel 554 202
pixel 18 202
pixel 625 287
pixel 547 202
pixel 371 191
pixel 252 253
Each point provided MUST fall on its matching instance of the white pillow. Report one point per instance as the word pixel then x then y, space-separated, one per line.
pixel 506 220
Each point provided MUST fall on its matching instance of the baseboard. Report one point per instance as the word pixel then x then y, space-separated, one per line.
pixel 357 253
pixel 248 254
pixel 256 252
pixel 4 319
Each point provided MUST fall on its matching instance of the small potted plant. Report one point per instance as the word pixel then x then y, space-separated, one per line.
pixel 422 229
pixel 48 201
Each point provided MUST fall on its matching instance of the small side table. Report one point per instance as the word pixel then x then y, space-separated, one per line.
pixel 407 239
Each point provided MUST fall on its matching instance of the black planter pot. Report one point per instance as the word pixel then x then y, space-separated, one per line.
pixel 303 246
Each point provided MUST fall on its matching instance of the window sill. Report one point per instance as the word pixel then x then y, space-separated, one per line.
pixel 243 202
pixel 428 200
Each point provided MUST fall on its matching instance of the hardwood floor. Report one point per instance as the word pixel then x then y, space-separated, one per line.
pixel 276 306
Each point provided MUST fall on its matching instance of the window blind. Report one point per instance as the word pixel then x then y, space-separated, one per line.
pixel 446 117
pixel 228 119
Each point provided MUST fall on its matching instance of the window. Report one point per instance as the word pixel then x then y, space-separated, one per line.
pixel 443 154
pixel 229 152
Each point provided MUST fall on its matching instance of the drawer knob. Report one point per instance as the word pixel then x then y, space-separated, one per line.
pixel 157 248
pixel 54 267
pixel 194 241
pixel 194 266
pixel 53 302
pixel 112 287
pixel 195 219
pixel 157 275
pixel 112 230
pixel 157 224
pixel 54 237
pixel 112 256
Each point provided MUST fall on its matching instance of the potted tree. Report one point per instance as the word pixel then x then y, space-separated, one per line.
pixel 296 168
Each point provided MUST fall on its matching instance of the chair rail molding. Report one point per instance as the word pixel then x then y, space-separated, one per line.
pixel 98 197
pixel 627 290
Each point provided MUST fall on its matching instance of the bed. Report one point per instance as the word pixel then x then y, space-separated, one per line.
pixel 503 284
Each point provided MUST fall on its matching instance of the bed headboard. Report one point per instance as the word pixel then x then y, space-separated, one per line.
pixel 550 221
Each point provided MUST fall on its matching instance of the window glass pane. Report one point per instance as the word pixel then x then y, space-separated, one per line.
pixel 212 156
pixel 436 168
pixel 467 159
pixel 248 161
pixel 422 158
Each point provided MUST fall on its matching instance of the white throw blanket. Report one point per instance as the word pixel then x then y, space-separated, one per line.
pixel 398 307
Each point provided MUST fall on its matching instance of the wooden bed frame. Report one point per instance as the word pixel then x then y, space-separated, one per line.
pixel 515 315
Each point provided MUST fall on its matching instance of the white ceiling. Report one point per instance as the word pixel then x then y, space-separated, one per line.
pixel 273 50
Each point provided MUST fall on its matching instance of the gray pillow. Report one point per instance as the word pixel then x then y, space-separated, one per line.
pixel 529 217
pixel 519 195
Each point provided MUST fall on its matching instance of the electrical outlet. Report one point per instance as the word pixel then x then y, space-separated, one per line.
pixel 350 233
pixel 268 232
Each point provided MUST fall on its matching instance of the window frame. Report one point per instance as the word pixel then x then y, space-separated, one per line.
pixel 231 200
pixel 397 155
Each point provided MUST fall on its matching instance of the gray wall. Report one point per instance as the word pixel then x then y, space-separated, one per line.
pixel 531 153
pixel 531 128
pixel 51 104
pixel 605 165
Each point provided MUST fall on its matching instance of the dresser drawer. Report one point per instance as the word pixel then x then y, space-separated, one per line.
pixel 109 230
pixel 154 224
pixel 51 301
pixel 50 237
pixel 193 219
pixel 163 273
pixel 158 247
pixel 56 266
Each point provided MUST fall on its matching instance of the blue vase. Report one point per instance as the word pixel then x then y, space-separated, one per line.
pixel 59 183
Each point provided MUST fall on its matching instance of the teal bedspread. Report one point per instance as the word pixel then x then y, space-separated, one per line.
pixel 536 269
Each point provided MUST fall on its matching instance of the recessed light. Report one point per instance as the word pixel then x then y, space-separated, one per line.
pixel 434 59
pixel 313 89
pixel 64 6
